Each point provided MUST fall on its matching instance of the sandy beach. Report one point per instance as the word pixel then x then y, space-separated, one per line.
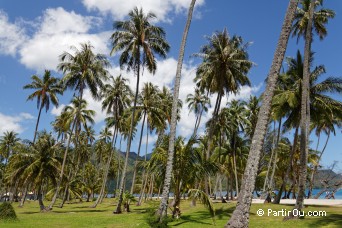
pixel 317 202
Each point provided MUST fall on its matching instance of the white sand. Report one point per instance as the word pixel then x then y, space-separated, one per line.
pixel 321 202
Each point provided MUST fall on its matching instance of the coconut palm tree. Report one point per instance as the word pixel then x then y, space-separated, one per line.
pixel 80 116
pixel 139 41
pixel 288 96
pixel 225 66
pixel 198 102
pixel 322 122
pixel 305 22
pixel 149 109
pixel 224 70
pixel 240 216
pixel 7 143
pixel 116 99
pixel 84 69
pixel 37 164
pixel 252 110
pixel 162 210
pixel 46 90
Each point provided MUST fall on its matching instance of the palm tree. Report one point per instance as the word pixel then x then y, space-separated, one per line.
pixel 237 115
pixel 198 102
pixel 80 117
pixel 305 22
pixel 321 17
pixel 7 143
pixel 61 125
pixel 252 110
pixel 322 122
pixel 240 216
pixel 325 110
pixel 37 164
pixel 84 69
pixel 139 41
pixel 224 69
pixel 116 99
pixel 162 211
pixel 46 90
pixel 149 108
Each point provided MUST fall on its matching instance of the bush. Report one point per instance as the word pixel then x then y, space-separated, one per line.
pixel 7 212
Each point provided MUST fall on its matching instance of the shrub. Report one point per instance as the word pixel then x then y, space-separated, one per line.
pixel 7 212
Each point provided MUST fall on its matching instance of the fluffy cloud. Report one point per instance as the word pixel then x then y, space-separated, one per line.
pixel 120 8
pixel 13 123
pixel 57 30
pixel 57 111
pixel 11 35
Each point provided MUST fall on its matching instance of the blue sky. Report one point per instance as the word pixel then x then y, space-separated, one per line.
pixel 34 33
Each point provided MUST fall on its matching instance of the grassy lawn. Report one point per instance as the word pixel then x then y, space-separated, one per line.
pixel 80 215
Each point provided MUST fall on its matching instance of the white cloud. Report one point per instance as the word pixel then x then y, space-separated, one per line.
pixel 57 111
pixel 120 8
pixel 13 123
pixel 12 36
pixel 58 30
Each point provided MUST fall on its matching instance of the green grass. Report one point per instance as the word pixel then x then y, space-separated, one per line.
pixel 80 215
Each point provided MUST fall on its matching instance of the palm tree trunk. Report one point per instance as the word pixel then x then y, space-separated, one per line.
pixel 136 159
pixel 305 116
pixel 119 166
pixel 129 142
pixel 36 130
pixel 162 211
pixel 240 216
pixel 312 178
pixel 267 182
pixel 22 201
pixel 53 201
pixel 289 168
pixel 235 169
pixel 275 157
pixel 105 174
pixel 66 190
pixel 40 198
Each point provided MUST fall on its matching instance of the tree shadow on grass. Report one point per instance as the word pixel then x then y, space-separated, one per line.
pixel 190 218
pixel 78 211
pixel 330 219
pixel 224 212
pixel 29 212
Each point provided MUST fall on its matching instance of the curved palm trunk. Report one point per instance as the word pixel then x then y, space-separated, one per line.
pixel 288 170
pixel 119 166
pixel 129 142
pixel 266 182
pixel 316 166
pixel 54 198
pixel 136 159
pixel 275 156
pixel 162 211
pixel 305 115
pixel 105 174
pixel 22 201
pixel 240 216
pixel 36 130
pixel 40 199
pixel 235 168
pixel 142 189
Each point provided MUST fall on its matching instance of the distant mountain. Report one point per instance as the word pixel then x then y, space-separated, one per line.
pixel 326 175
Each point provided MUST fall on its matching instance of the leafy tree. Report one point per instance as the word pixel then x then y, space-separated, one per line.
pixel 139 41
pixel 46 90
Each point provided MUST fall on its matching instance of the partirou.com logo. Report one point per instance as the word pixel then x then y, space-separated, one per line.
pixel 295 212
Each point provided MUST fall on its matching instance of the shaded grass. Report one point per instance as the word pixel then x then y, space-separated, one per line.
pixel 80 215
